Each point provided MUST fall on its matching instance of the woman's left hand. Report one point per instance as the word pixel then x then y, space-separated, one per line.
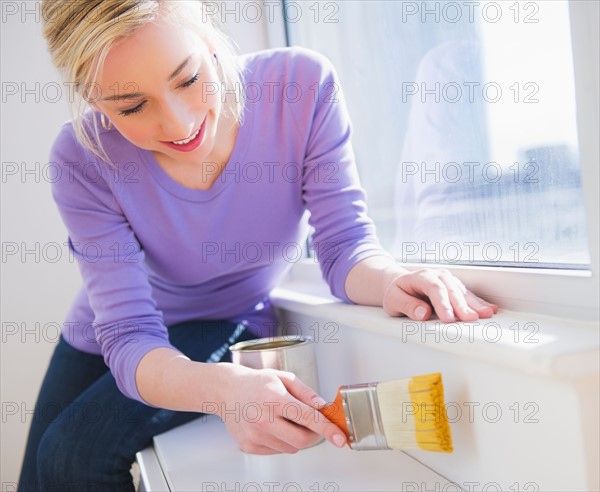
pixel 408 294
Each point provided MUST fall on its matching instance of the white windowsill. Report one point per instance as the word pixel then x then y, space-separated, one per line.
pixel 559 348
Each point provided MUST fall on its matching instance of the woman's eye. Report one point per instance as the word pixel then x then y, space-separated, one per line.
pixel 192 81
pixel 137 109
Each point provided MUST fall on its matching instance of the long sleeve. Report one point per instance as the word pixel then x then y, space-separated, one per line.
pixel 344 234
pixel 127 323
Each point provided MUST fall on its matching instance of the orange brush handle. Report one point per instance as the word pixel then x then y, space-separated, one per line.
pixel 335 413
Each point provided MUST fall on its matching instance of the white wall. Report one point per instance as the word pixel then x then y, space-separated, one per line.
pixel 38 278
pixel 37 287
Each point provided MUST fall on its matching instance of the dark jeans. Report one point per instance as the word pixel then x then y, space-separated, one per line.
pixel 85 432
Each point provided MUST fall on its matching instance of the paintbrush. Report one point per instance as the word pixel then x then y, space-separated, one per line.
pixel 401 414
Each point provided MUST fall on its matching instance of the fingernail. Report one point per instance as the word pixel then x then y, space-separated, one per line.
pixel 339 440
pixel 420 312
pixel 319 402
pixel 450 314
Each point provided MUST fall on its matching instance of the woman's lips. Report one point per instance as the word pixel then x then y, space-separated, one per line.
pixel 192 144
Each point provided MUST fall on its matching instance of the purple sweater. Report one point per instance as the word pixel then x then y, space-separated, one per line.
pixel 153 253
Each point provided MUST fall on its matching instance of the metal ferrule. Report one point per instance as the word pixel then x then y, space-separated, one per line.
pixel 363 418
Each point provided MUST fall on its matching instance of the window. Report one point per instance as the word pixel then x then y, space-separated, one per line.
pixel 465 129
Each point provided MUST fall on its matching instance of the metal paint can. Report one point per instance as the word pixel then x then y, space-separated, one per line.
pixel 288 353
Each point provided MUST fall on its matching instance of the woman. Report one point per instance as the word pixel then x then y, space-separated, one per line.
pixel 182 191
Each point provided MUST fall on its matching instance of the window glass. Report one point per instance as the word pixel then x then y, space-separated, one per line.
pixel 463 125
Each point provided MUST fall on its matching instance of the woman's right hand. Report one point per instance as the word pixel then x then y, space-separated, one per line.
pixel 269 411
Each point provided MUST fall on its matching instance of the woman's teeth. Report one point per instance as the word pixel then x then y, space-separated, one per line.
pixel 187 140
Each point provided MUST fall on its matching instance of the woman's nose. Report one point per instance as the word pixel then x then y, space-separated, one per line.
pixel 177 120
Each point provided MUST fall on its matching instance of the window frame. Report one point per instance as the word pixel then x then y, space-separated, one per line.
pixel 562 293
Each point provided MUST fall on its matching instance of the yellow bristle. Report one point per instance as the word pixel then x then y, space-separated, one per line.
pixel 413 413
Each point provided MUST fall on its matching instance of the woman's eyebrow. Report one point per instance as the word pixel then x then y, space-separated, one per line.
pixel 180 67
pixel 133 95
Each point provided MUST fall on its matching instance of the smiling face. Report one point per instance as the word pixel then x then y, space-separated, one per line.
pixel 159 86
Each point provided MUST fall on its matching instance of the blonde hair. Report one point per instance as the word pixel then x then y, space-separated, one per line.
pixel 80 33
